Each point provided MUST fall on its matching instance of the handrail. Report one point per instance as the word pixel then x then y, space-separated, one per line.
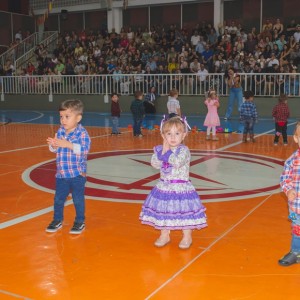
pixel 262 84
pixel 48 39
pixel 26 45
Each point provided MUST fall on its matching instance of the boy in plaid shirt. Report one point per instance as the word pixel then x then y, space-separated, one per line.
pixel 71 145
pixel 290 185
pixel 281 113
pixel 248 115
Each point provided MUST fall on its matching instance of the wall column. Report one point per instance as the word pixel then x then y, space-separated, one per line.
pixel 115 19
pixel 218 13
pixel 41 29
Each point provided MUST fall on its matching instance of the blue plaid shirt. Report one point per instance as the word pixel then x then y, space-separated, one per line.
pixel 248 110
pixel 72 163
pixel 290 179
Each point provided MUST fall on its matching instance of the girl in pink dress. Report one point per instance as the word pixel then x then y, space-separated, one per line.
pixel 212 119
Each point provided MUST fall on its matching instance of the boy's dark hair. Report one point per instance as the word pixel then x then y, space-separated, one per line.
pixel 114 94
pixel 248 94
pixel 282 98
pixel 72 104
pixel 138 94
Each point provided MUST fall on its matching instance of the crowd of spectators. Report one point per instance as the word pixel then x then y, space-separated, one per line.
pixel 201 50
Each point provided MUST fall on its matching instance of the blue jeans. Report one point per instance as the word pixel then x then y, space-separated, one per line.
pixel 248 125
pixel 64 186
pixel 137 123
pixel 115 124
pixel 295 244
pixel 234 94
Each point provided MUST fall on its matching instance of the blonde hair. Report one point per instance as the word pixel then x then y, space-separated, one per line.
pixel 175 121
pixel 211 92
pixel 173 92
pixel 297 127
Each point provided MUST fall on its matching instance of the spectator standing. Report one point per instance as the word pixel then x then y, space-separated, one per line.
pixel 149 101
pixel 297 34
pixel 202 75
pixel 195 38
pixel 235 92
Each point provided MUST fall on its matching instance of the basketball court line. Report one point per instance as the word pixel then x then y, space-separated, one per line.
pixel 14 295
pixel 207 248
pixel 45 145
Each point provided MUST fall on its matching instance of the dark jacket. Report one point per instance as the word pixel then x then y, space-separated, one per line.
pixel 137 108
pixel 115 109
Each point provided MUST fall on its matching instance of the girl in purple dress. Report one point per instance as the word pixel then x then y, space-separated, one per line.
pixel 212 119
pixel 173 204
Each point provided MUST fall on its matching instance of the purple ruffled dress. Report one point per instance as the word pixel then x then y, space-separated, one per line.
pixel 173 203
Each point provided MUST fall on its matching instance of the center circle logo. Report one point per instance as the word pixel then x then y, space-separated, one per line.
pixel 127 176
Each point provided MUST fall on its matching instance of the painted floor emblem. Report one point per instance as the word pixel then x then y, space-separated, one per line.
pixel 127 176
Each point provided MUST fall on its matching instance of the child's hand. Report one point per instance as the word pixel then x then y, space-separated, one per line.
pixel 55 142
pixel 166 147
pixel 291 195
pixel 63 143
pixel 51 141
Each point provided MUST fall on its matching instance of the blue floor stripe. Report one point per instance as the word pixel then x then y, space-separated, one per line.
pixel 103 120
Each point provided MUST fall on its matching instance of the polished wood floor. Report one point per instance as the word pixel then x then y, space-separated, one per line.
pixel 235 257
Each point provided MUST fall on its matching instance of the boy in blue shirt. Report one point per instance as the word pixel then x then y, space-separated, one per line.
pixel 248 115
pixel 71 144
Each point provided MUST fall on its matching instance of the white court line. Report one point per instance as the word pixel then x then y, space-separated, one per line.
pixel 258 135
pixel 14 295
pixel 45 145
pixel 30 216
pixel 33 119
pixel 208 248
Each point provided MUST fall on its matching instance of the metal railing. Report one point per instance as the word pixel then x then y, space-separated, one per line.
pixel 23 51
pixel 43 4
pixel 48 39
pixel 263 84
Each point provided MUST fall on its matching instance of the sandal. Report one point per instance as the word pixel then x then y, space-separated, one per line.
pixel 162 241
pixel 185 243
pixel 289 259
